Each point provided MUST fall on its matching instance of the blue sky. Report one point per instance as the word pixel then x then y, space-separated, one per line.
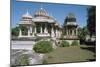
pixel 58 11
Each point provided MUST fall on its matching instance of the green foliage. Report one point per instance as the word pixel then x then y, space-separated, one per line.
pixel 91 20
pixel 43 47
pixel 44 62
pixel 15 31
pixel 23 60
pixel 64 44
pixel 82 33
pixel 24 30
pixel 75 43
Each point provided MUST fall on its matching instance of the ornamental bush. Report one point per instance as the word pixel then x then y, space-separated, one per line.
pixel 44 62
pixel 23 60
pixel 43 47
pixel 75 43
pixel 64 44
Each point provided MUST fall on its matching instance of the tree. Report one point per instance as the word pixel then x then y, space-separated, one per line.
pixel 91 21
pixel 15 31
pixel 83 32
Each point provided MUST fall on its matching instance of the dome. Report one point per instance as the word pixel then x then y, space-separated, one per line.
pixel 56 24
pixel 41 12
pixel 70 18
pixel 27 15
pixel 41 15
pixel 71 15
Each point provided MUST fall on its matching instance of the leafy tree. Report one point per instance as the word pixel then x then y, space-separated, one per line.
pixel 91 21
pixel 24 30
pixel 83 32
pixel 15 31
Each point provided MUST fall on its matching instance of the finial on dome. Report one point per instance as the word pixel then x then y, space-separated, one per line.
pixel 41 7
pixel 27 12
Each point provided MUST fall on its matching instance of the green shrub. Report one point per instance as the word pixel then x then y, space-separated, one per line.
pixel 43 47
pixel 50 57
pixel 44 62
pixel 64 44
pixel 75 43
pixel 23 60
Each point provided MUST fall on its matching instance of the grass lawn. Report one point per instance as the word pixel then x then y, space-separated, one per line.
pixel 70 54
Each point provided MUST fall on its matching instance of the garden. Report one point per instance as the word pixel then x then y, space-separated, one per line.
pixel 64 52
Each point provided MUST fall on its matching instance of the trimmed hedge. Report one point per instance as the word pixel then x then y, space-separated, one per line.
pixel 23 60
pixel 44 62
pixel 43 47
pixel 64 44
pixel 75 43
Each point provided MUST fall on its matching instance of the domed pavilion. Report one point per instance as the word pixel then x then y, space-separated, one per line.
pixel 71 27
pixel 40 25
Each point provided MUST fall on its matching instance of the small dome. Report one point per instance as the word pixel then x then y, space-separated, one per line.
pixel 70 18
pixel 56 24
pixel 27 15
pixel 41 12
pixel 71 15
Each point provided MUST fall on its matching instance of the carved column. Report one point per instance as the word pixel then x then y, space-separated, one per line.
pixel 28 31
pixel 20 32
pixel 35 29
pixel 52 32
pixel 41 28
pixel 45 30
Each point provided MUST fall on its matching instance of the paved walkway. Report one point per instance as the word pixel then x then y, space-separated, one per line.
pixel 34 58
pixel 24 47
pixel 27 45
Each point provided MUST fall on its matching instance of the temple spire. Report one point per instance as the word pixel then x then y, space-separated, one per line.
pixel 41 6
pixel 27 12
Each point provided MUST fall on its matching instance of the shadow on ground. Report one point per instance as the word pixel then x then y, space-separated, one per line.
pixel 91 48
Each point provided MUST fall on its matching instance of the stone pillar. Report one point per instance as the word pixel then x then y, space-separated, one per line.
pixel 56 32
pixel 59 33
pixel 73 32
pixel 76 32
pixel 20 32
pixel 52 32
pixel 45 30
pixel 32 31
pixel 28 31
pixel 35 29
pixel 67 32
pixel 41 29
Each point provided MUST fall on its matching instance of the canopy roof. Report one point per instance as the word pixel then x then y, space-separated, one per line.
pixel 41 15
pixel 41 12
pixel 70 20
pixel 27 15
